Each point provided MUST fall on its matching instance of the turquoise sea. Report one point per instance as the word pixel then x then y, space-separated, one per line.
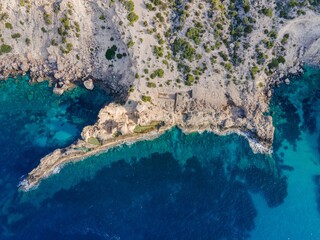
pixel 196 186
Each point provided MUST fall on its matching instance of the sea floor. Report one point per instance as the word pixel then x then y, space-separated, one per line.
pixel 196 186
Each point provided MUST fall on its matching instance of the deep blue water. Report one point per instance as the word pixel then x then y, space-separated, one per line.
pixel 175 187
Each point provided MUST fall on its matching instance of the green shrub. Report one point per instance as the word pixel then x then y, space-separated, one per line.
pixel 223 55
pixel 150 7
pixel 248 29
pixel 156 2
pixel 185 49
pixel 158 51
pixel 4 16
pixel 69 47
pixel 56 8
pixel 130 44
pixel 151 85
pixel 61 32
pixel 228 66
pixel 65 22
pixel 219 26
pixel 268 44
pixel 194 34
pixel 111 52
pixel 160 73
pixel 160 17
pixel 54 42
pixel 275 62
pixel 267 11
pixel 132 17
pixel 47 18
pixel 28 41
pixel 77 26
pixel 153 75
pixel 246 6
pixel 254 71
pixel 281 59
pixel 16 35
pixel 8 25
pixel 273 34
pixel 197 71
pixel 189 80
pixel 4 48
pixel 146 98
pixel 285 38
pixel 129 5
pixel 293 3
pixel 165 62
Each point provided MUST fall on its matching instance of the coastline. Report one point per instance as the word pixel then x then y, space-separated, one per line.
pixel 189 71
pixel 35 177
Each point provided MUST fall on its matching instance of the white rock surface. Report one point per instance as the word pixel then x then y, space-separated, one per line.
pixel 89 84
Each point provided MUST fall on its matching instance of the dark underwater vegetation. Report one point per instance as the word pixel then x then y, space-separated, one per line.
pixel 196 186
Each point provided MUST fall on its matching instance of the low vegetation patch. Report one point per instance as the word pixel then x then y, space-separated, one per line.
pixel 94 141
pixel 4 48
pixel 285 38
pixel 132 17
pixel 111 52
pixel 16 35
pixel 184 48
pixel 8 25
pixel 194 34
pixel 151 85
pixel 146 98
pixel 147 128
pixel 275 62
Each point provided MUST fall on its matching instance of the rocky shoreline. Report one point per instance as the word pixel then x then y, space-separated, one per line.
pixel 56 160
pixel 53 162
pixel 208 69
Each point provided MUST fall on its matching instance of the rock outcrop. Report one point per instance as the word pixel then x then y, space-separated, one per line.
pixel 89 84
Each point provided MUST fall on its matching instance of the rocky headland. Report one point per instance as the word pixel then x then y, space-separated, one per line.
pixel 198 65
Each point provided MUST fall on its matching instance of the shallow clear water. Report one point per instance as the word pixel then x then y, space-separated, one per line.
pixel 174 187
